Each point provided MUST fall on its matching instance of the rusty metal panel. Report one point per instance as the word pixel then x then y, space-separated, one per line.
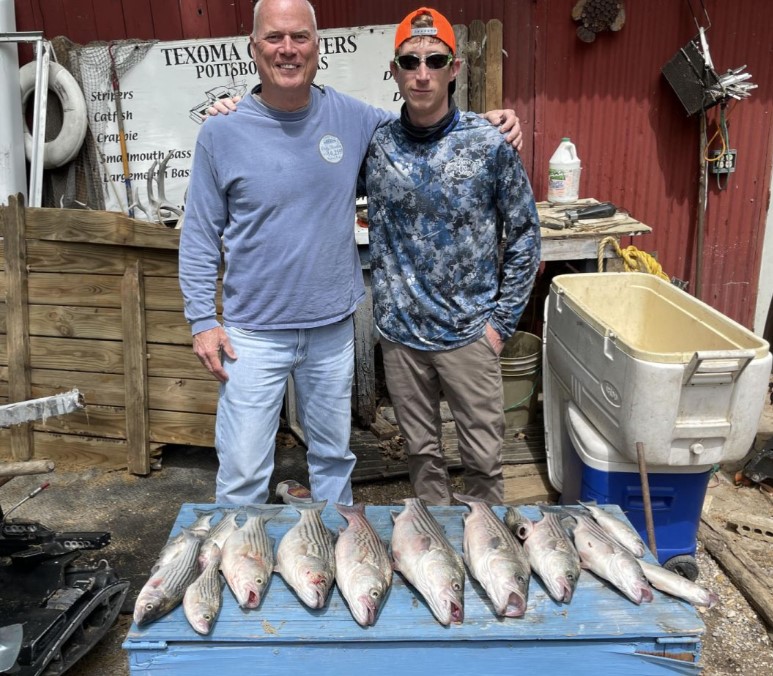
pixel 641 151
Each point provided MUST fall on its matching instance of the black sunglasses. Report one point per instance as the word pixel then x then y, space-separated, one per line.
pixel 433 61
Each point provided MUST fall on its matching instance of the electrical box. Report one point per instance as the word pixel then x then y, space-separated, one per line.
pixel 722 162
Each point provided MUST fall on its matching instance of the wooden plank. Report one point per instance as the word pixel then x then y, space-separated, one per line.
pixel 184 394
pixel 493 98
pixel 462 78
pixel 174 361
pixel 74 354
pixel 167 24
pixel 68 321
pixel 477 71
pixel 383 429
pixel 364 390
pixel 98 227
pixel 81 26
pixel 527 484
pixel 244 12
pixel 748 577
pixel 18 340
pixel 46 256
pixel 68 450
pixel 135 369
pixel 103 389
pixel 192 429
pixel 105 422
pixel 26 468
pixel 164 326
pixel 77 289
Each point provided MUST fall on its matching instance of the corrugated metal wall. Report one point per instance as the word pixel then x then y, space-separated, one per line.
pixel 638 147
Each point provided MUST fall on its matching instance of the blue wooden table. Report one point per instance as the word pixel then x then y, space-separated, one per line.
pixel 600 632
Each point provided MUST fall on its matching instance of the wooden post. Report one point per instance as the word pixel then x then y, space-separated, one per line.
pixel 493 78
pixel 476 58
pixel 460 95
pixel 364 369
pixel 18 325
pixel 135 369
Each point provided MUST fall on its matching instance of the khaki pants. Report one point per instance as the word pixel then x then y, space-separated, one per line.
pixel 471 380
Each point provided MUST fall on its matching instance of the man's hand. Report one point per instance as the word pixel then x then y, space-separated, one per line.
pixel 224 106
pixel 495 339
pixel 508 124
pixel 210 346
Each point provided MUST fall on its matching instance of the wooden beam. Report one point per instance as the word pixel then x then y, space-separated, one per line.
pixel 135 369
pixel 17 320
pixel 476 58
pixel 462 87
pixel 493 99
pixel 745 574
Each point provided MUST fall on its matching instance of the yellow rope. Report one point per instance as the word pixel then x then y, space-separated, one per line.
pixel 633 259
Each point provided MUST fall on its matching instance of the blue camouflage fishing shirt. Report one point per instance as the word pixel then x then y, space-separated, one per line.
pixel 437 212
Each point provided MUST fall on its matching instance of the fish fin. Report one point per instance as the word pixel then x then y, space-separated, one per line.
pixel 394 514
pixel 310 506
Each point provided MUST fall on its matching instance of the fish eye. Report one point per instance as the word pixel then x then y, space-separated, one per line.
pixel 148 606
pixel 375 593
pixel 570 576
pixel 259 580
pixel 207 617
pixel 456 586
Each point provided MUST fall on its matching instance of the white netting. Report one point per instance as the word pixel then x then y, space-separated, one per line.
pixel 80 184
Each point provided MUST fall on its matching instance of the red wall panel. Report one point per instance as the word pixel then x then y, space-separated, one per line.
pixel 639 149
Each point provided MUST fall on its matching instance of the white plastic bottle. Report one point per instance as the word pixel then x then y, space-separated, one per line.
pixel 564 174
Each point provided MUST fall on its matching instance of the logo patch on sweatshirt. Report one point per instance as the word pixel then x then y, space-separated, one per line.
pixel 331 148
pixel 462 168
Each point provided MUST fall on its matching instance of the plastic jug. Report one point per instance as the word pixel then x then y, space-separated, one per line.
pixel 564 174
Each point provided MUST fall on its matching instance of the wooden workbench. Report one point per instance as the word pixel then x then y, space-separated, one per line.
pixel 600 632
pixel 581 240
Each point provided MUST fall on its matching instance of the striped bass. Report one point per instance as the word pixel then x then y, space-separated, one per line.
pixel 218 534
pixel 248 557
pixel 305 557
pixel 165 588
pixel 618 530
pixel 671 583
pixel 495 558
pixel 363 566
pixel 424 556
pixel 203 597
pixel 550 552
pixel 200 527
pixel 603 556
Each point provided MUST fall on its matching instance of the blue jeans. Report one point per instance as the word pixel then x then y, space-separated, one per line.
pixel 321 361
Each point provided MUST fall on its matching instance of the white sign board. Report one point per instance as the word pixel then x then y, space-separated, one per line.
pixel 163 96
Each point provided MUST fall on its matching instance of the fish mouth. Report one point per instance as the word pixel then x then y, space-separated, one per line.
pixel 515 606
pixel 457 613
pixel 368 611
pixel 252 600
pixel 563 590
pixel 645 595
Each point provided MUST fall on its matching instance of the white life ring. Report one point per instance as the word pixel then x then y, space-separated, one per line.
pixel 65 146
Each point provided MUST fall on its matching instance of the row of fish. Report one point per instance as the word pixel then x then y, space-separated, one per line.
pixel 499 554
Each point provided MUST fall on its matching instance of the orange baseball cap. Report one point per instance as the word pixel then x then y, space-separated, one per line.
pixel 441 28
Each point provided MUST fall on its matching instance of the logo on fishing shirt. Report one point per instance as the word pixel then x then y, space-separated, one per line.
pixel 331 148
pixel 462 168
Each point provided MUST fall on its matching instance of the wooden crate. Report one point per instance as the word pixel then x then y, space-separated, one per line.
pixel 599 632
pixel 92 301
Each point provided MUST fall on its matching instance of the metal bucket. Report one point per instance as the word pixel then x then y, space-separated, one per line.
pixel 521 366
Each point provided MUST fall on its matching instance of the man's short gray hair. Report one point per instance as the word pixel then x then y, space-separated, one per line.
pixel 259 4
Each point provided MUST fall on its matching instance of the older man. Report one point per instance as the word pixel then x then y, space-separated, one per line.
pixel 443 189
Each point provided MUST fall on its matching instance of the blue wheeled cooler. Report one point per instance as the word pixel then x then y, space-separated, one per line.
pixel 630 359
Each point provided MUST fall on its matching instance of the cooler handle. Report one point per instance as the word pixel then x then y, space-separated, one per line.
pixel 717 367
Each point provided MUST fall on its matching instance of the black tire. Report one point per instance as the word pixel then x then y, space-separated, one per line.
pixel 684 565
